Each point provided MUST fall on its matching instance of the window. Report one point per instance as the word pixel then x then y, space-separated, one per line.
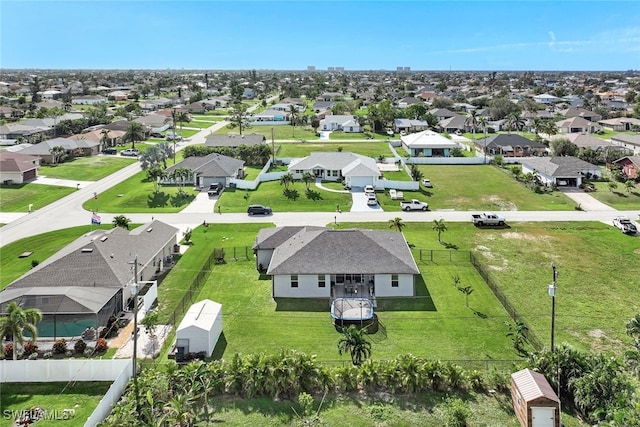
pixel 394 280
pixel 294 280
pixel 321 281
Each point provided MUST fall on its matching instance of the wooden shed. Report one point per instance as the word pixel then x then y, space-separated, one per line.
pixel 534 401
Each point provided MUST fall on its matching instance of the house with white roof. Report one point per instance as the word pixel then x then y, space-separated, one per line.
pixel 428 144
pixel 345 123
pixel 355 169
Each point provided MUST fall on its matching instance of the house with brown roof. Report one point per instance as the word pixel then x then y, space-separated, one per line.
pixel 630 166
pixel 17 168
pixel 577 125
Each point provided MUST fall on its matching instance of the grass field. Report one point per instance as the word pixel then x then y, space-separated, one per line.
pixel 54 397
pixel 87 168
pixel 619 198
pixel 285 132
pixel 17 197
pixel 43 246
pixel 272 194
pixel 372 149
pixel 136 194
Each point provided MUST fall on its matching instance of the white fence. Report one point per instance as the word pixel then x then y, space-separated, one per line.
pixel 69 370
pixel 399 185
pixel 263 176
pixel 446 160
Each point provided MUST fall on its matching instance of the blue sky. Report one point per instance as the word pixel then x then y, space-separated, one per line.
pixel 290 35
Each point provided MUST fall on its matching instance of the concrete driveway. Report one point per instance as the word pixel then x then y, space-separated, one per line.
pixel 585 200
pixel 359 202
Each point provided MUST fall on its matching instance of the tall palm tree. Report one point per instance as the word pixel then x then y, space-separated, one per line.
pixel 285 180
pixel 439 226
pixel 308 178
pixel 16 322
pixel 472 121
pixel 293 117
pixel 105 141
pixel 514 122
pixel 397 224
pixel 134 132
pixel 354 342
pixel 182 117
pixel 56 154
pixel 416 173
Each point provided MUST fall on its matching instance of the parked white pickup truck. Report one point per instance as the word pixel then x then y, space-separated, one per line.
pixel 487 218
pixel 414 205
pixel 625 225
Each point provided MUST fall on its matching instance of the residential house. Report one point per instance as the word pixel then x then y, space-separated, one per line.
pixel 630 166
pixel 114 137
pixel 620 124
pixel 270 116
pixel 428 144
pixel 344 123
pixel 88 281
pixel 323 106
pixel 561 171
pixel 582 140
pixel 546 98
pixel 73 148
pixel 442 113
pixel 317 262
pixel 118 95
pixel 581 112
pixel 577 125
pixel 25 133
pixel 89 100
pixel 455 124
pixel 355 169
pixel 155 122
pixel 630 142
pixel 409 125
pixel 10 112
pixel 249 93
pixel 233 140
pixel 510 145
pixel 210 169
pixel 408 101
pixel 286 107
pixel 18 168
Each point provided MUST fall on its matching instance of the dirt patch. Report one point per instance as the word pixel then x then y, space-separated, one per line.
pixel 503 205
pixel 597 333
pixel 637 251
pixel 523 236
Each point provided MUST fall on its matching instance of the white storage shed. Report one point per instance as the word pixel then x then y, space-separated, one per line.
pixel 200 329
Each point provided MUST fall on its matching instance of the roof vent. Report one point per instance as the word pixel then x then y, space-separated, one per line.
pixel 86 250
pixel 104 238
pixel 149 230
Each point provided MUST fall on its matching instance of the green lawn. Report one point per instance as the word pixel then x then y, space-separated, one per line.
pixel 17 197
pixel 619 198
pixel 285 132
pixel 357 136
pixel 372 149
pixel 137 194
pixel 272 194
pixel 251 172
pixel 481 187
pixel 197 124
pixel 400 175
pixel 91 168
pixel 43 246
pixel 54 397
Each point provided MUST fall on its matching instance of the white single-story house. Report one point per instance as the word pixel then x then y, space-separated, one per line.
pixel 200 329
pixel 630 142
pixel 563 171
pixel 345 123
pixel 409 125
pixel 207 170
pixel 355 169
pixel 317 262
pixel 18 168
pixel 89 100
pixel 428 144
pixel 577 125
pixel 155 122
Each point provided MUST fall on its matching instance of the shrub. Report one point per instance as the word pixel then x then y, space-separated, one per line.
pixel 80 346
pixel 29 348
pixel 8 351
pixel 68 353
pixel 33 356
pixel 456 412
pixel 47 355
pixel 34 263
pixel 88 352
pixel 101 345
pixel 60 346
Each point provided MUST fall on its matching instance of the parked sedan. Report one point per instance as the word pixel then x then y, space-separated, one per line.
pixel 130 152
pixel 259 210
pixel 109 151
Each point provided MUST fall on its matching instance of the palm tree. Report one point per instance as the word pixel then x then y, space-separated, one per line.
pixel 16 322
pixel 293 117
pixel 397 224
pixel 354 342
pixel 308 178
pixel 439 226
pixel 121 221
pixel 514 122
pixel 181 117
pixel 153 174
pixel 633 326
pixel 105 141
pixel 472 120
pixel 285 180
pixel 180 176
pixel 518 332
pixel 416 174
pixel 56 154
pixel 133 133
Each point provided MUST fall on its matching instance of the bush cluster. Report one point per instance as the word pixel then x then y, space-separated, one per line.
pixel 60 346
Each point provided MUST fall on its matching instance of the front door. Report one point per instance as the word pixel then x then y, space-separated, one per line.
pixel 543 417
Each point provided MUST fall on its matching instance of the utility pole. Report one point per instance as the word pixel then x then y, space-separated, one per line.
pixel 552 294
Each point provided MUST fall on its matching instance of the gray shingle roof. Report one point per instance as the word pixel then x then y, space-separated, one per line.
pixel 318 251
pixel 508 139
pixel 334 161
pixel 103 262
pixel 559 166
pixel 213 165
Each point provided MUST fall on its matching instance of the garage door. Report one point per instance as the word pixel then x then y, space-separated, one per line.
pixel 29 175
pixel 361 181
pixel 543 417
